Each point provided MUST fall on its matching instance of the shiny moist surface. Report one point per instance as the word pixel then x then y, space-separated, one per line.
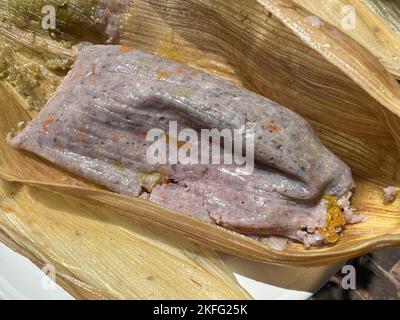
pixel 96 124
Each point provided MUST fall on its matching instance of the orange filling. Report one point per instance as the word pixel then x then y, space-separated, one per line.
pixel 47 123
pixel 125 49
pixel 162 75
pixel 272 127
pixel 334 220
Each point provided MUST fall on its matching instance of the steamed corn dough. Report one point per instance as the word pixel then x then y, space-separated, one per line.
pixel 99 255
pixel 95 126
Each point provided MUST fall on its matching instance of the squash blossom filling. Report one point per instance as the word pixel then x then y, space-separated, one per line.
pixel 334 220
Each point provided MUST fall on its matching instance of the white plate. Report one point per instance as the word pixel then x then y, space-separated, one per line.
pixel 21 279
pixel 269 282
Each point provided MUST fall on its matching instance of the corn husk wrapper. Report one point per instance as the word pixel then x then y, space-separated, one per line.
pixel 388 10
pixel 96 255
pixel 372 23
pixel 269 46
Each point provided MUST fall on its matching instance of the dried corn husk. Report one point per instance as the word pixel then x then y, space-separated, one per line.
pixel 388 10
pixel 270 47
pixel 375 31
pixel 98 255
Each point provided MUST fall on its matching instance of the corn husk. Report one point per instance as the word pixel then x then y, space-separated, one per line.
pixel 375 25
pixel 97 255
pixel 270 47
pixel 388 10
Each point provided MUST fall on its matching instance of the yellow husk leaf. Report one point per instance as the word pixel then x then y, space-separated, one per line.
pixel 267 46
pixel 98 255
pixel 388 10
pixel 370 30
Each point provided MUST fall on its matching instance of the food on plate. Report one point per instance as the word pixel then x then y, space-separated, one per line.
pixel 97 126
